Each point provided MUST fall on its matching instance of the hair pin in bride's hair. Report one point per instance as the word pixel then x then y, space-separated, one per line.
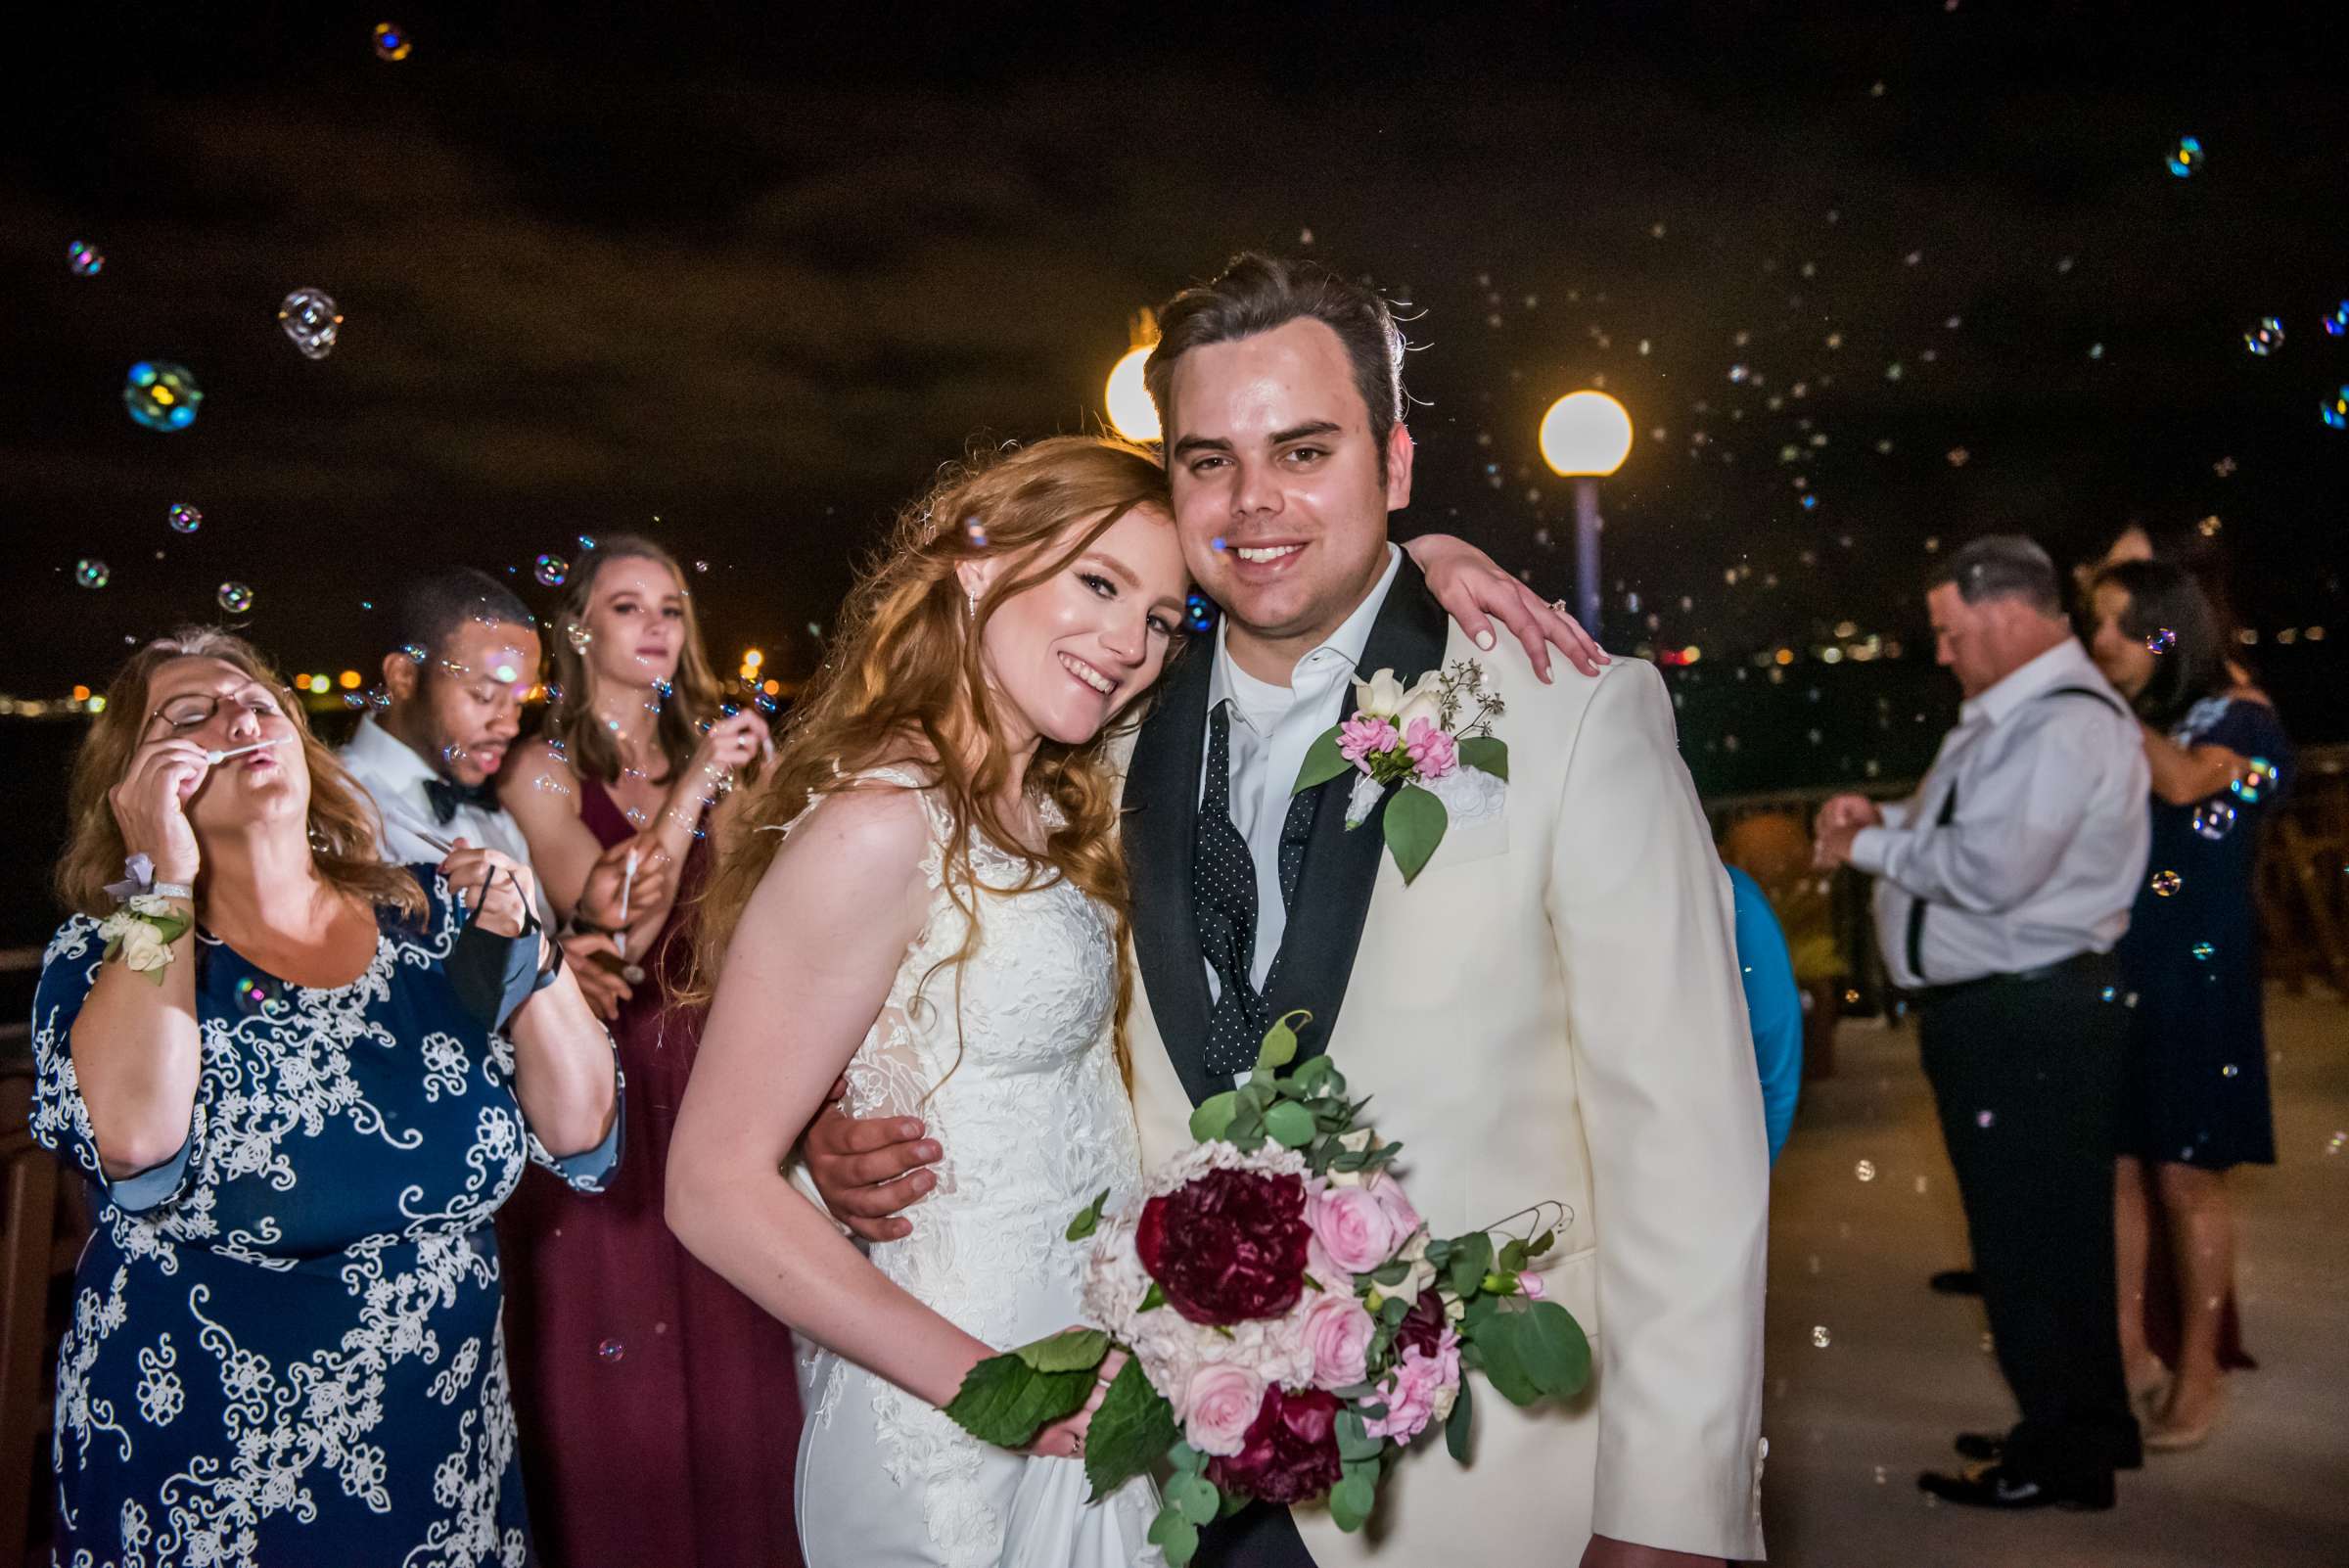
pixel 975 529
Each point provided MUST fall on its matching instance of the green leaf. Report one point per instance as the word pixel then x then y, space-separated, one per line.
pixel 1290 1124
pixel 1072 1350
pixel 1541 1244
pixel 1213 1119
pixel 1505 1366
pixel 1131 1431
pixel 1487 756
pixel 1088 1219
pixel 1004 1400
pixel 1314 1078
pixel 1355 1442
pixel 1455 1425
pixel 1471 1260
pixel 1415 824
pixel 1183 1456
pixel 1556 1352
pixel 1174 1535
pixel 1350 1502
pixel 1280 1048
pixel 1195 1496
pixel 1324 761
pixel 1512 1257
pixel 1233 1502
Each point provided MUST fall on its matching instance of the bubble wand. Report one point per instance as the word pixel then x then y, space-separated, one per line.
pixel 214 758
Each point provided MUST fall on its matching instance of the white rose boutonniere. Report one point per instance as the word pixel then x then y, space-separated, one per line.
pixel 141 933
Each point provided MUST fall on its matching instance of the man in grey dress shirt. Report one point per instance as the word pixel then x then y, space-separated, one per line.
pixel 2001 885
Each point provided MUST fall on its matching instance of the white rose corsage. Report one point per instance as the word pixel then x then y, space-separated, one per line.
pixel 1433 746
pixel 141 933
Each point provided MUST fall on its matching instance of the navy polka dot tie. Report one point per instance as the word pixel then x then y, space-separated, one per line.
pixel 1224 890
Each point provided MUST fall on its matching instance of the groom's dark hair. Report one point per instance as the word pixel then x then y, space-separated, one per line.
pixel 1257 294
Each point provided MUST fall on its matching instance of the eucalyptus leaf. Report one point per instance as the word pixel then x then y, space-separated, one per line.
pixel 1213 1119
pixel 1355 1442
pixel 1174 1535
pixel 1195 1498
pixel 1556 1352
pixel 1456 1424
pixel 1350 1502
pixel 1504 1363
pixel 1470 1261
pixel 1290 1124
pixel 1279 1047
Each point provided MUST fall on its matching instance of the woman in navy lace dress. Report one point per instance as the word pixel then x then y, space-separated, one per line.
pixel 2198 1072
pixel 301 1083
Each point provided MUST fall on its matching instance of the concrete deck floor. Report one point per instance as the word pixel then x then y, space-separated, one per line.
pixel 1851 1424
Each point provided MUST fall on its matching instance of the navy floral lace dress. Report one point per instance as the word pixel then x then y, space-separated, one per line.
pixel 284 1346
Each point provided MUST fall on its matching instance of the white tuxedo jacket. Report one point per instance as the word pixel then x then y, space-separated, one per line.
pixel 1551 1010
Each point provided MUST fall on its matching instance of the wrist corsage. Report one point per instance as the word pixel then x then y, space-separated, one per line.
pixel 141 933
pixel 1433 746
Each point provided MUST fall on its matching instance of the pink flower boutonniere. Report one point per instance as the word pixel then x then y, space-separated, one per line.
pixel 1432 745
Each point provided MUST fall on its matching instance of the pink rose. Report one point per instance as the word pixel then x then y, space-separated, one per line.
pixel 1325 1269
pixel 1354 1228
pixel 1358 737
pixel 1400 1213
pixel 1420 1389
pixel 1338 1332
pixel 1222 1401
pixel 1434 753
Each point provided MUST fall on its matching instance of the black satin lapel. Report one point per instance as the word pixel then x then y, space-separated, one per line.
pixel 1161 818
pixel 1340 863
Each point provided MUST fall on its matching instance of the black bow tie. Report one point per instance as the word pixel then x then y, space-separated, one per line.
pixel 447 797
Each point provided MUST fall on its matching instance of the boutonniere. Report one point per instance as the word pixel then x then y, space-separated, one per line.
pixel 1433 746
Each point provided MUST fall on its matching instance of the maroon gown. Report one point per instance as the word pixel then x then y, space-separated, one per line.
pixel 657 1410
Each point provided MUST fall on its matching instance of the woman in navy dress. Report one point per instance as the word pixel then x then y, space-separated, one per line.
pixel 2198 1082
pixel 302 1081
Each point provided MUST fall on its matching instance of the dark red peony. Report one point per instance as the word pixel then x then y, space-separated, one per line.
pixel 1227 1246
pixel 1423 1326
pixel 1290 1454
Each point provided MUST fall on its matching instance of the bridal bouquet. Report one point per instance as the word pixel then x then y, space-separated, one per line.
pixel 1292 1327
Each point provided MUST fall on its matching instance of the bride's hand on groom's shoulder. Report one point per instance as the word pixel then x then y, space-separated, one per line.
pixel 868 1170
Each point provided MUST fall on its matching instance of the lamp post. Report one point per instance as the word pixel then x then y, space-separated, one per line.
pixel 1132 413
pixel 1585 436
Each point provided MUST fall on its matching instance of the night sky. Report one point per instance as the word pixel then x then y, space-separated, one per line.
pixel 756 271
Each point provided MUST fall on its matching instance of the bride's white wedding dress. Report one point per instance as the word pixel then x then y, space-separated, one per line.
pixel 1013 1051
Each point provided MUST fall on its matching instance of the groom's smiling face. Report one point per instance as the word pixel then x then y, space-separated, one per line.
pixel 1281 493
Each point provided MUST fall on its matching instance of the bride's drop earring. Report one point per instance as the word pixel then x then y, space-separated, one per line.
pixel 970 599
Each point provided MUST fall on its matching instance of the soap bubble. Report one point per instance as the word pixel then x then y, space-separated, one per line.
pixel 161 395
pixel 551 570
pixel 1865 1171
pixel 91 573
pixel 1984 1118
pixel 2335 411
pixel 2203 951
pixel 2259 778
pixel 2214 820
pixel 2186 156
pixel 390 42
pixel 2160 640
pixel 1820 1336
pixel 310 319
pixel 2165 884
pixel 2265 336
pixel 1198 613
pixel 578 636
pixel 184 518
pixel 586 541
pixel 1738 373
pixel 2337 323
pixel 235 598
pixel 259 995
pixel 84 259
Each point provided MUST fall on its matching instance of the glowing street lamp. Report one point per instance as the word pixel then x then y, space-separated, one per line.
pixel 1585 436
pixel 1132 413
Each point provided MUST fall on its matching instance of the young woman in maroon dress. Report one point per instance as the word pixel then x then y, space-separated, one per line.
pixel 658 1408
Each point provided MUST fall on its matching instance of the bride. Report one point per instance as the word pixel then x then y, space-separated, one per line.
pixel 926 896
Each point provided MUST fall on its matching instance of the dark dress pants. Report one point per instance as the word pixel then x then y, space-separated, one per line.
pixel 2027 1076
pixel 1259 1536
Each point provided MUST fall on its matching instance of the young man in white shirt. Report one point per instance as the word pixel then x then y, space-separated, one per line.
pixel 468 659
pixel 2001 885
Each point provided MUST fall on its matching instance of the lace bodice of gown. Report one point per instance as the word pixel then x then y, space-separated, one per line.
pixel 1008 1057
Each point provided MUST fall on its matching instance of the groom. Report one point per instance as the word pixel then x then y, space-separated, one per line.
pixel 1550 1010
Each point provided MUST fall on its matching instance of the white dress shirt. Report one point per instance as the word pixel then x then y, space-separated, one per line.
pixel 2043 856
pixel 1272 727
pixel 394 777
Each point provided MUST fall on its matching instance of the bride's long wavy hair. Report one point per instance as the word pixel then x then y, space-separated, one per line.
pixel 903 686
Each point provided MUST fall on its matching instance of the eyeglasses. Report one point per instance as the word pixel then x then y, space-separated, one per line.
pixel 196 710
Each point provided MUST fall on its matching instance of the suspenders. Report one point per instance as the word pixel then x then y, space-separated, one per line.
pixel 1948 813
